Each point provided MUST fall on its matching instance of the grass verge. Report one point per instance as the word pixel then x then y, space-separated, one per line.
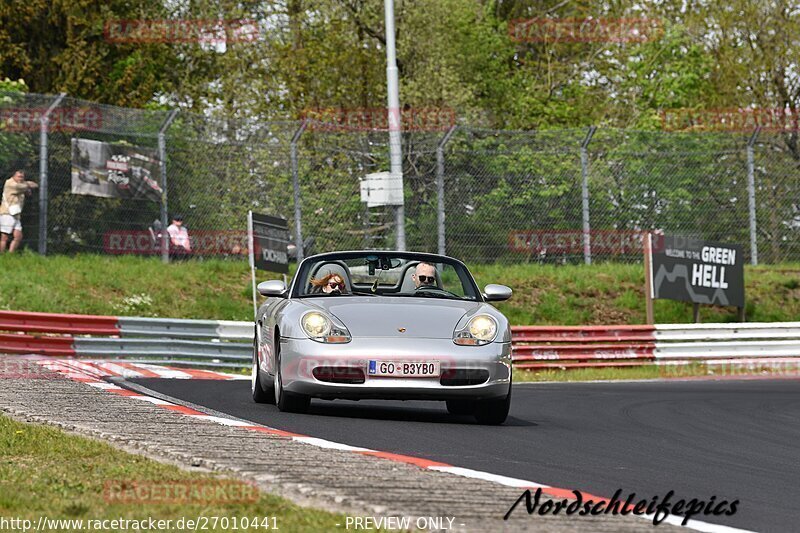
pixel 46 472
pixel 218 289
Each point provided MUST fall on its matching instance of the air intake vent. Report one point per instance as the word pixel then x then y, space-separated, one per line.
pixel 339 374
pixel 464 376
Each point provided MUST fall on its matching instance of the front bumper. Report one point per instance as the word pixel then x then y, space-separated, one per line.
pixel 301 356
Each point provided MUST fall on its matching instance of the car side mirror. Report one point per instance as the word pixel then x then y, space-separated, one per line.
pixel 496 293
pixel 273 287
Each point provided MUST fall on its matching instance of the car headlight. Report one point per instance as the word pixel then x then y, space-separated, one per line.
pixel 320 328
pixel 316 324
pixel 480 330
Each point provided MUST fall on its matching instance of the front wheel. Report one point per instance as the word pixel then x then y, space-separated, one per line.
pixel 286 401
pixel 493 412
pixel 259 394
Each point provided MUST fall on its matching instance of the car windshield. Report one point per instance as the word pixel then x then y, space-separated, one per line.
pixel 385 274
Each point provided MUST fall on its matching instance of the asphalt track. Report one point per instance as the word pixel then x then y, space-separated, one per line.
pixel 730 439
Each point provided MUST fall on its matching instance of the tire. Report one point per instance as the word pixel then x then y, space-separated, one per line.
pixel 493 412
pixel 287 402
pixel 461 407
pixel 260 395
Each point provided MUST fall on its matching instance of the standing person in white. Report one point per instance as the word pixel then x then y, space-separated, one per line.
pixel 179 245
pixel 14 192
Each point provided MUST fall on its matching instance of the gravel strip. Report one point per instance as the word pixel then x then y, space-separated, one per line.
pixel 333 480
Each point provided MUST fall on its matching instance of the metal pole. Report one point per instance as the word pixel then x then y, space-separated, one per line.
pixel 440 214
pixel 252 260
pixel 298 228
pixel 162 156
pixel 648 278
pixel 751 196
pixel 393 91
pixel 587 239
pixel 43 127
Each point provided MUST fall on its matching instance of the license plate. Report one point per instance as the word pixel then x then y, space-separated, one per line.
pixel 405 369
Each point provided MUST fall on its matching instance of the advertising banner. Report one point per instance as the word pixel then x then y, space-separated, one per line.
pixel 270 243
pixel 114 170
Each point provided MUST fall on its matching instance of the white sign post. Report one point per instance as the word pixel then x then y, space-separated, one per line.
pixel 268 240
pixel 251 257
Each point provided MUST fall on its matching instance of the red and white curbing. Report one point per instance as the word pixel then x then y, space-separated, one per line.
pixel 128 370
pixel 93 374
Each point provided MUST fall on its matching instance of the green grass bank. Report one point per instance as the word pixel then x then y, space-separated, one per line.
pixel 219 289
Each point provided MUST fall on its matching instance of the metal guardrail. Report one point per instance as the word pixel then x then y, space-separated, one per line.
pixel 184 328
pixel 228 344
pixel 542 348
pixel 720 332
pixel 58 323
pixel 129 347
pixel 180 342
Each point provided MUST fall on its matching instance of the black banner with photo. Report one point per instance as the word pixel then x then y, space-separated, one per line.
pixel 115 170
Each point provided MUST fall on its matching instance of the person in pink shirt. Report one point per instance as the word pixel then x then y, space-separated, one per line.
pixel 180 246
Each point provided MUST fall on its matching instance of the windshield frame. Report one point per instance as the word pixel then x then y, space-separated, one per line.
pixel 307 263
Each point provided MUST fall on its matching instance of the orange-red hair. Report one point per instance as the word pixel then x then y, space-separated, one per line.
pixel 321 282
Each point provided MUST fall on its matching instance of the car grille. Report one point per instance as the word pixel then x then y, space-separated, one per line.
pixel 339 374
pixel 455 377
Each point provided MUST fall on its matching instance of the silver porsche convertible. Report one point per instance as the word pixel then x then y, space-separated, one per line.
pixel 383 325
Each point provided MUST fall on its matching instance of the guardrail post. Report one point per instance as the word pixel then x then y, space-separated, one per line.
pixel 298 214
pixel 440 213
pixel 162 157
pixel 751 196
pixel 43 198
pixel 587 239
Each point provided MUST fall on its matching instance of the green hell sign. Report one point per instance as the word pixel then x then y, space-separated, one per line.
pixel 701 272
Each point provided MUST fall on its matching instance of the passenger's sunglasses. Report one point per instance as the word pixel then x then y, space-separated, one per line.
pixel 336 285
pixel 426 279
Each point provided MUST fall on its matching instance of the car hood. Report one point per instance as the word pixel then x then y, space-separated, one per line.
pixel 385 316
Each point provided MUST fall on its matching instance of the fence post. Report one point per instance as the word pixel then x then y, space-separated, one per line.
pixel 298 212
pixel 162 157
pixel 43 198
pixel 440 214
pixel 751 196
pixel 587 239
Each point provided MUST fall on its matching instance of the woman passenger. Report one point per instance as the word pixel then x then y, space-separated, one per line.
pixel 329 284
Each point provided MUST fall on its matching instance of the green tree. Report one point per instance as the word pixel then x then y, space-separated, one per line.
pixel 61 46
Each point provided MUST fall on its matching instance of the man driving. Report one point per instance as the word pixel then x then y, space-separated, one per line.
pixel 424 276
